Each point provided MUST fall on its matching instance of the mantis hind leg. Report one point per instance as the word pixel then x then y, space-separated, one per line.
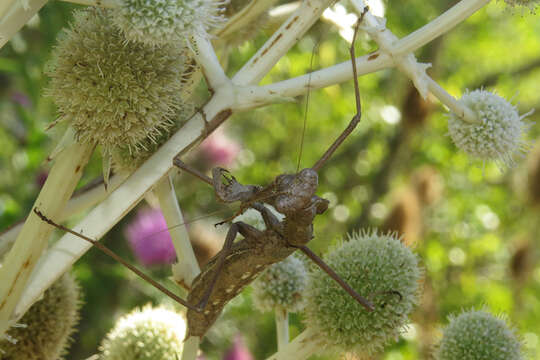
pixel 237 227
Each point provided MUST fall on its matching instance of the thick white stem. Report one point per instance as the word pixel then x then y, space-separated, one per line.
pixel 33 238
pixel 76 204
pixel 281 41
pixel 282 327
pixel 456 107
pixel 191 348
pixel 187 267
pixel 207 59
pixel 329 76
pixel 407 64
pixel 302 347
pixel 16 16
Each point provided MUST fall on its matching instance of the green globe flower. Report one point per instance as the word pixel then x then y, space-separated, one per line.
pixel 498 135
pixel 115 93
pixel 382 269
pixel 44 331
pixel 281 286
pixel 148 334
pixel 159 22
pixel 478 335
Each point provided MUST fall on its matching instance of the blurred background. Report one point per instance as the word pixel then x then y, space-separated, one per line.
pixel 474 227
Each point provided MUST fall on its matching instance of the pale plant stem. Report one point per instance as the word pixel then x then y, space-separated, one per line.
pixel 407 63
pixel 301 348
pixel 100 3
pixel 281 41
pixel 206 57
pixel 329 76
pixel 76 204
pixel 191 348
pixel 187 267
pixel 282 327
pixel 16 16
pixel 33 238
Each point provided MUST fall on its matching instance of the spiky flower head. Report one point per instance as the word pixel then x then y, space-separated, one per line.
pixel 153 333
pixel 44 331
pixel 281 286
pixel 531 4
pixel 478 335
pixel 382 269
pixel 499 133
pixel 113 92
pixel 159 22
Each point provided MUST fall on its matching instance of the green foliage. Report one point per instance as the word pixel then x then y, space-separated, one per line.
pixel 47 325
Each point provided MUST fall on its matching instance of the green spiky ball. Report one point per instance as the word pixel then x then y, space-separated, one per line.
pixel 146 334
pixel 159 22
pixel 478 335
pixel 48 324
pixel 114 92
pixel 281 286
pixel 380 268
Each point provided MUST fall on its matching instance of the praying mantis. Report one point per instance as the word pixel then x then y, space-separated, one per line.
pixel 239 263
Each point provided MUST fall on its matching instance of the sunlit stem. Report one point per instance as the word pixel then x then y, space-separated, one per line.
pixel 79 202
pixel 34 235
pixel 187 267
pixel 407 64
pixel 282 327
pixel 14 17
pixel 191 348
pixel 301 348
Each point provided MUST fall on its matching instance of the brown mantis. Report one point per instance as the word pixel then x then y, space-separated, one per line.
pixel 238 263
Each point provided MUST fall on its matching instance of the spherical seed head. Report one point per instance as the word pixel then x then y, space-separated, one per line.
pixel 498 135
pixel 478 335
pixel 147 334
pixel 48 324
pixel 158 22
pixel 380 268
pixel 281 286
pixel 114 92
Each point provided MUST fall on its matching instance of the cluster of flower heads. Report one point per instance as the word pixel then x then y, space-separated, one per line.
pixel 120 95
pixel 159 22
pixel 146 334
pixel 478 335
pixel 281 286
pixel 498 135
pixel 380 268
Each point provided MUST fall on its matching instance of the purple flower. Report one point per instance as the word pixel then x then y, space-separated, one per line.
pixel 149 238
pixel 219 149
pixel 21 99
pixel 239 351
